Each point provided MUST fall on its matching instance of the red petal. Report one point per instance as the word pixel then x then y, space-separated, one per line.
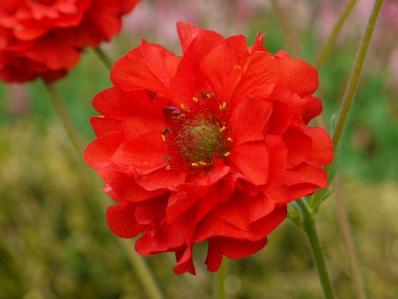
pixel 121 220
pixel 185 263
pixel 102 125
pixel 259 78
pixel 249 119
pixel 234 249
pixel 251 159
pixel 187 33
pixel 280 118
pixel 162 179
pixel 299 146
pixel 306 174
pixel 297 76
pixel 126 188
pixel 109 103
pixel 322 146
pixel 145 154
pixel 99 153
pixel 148 67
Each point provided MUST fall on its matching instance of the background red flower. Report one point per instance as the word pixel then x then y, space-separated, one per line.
pixel 207 146
pixel 44 38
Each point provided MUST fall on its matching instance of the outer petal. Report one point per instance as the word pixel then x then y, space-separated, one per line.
pixel 99 153
pixel 296 76
pixel 102 125
pixel 153 69
pixel 322 147
pixel 259 78
pixel 187 33
pixel 249 119
pixel 307 174
pixel 121 220
pixel 251 159
pixel 234 249
pixel 145 154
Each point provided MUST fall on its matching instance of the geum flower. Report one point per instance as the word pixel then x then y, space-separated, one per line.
pixel 44 38
pixel 208 146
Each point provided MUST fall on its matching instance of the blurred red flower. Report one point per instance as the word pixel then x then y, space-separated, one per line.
pixel 44 38
pixel 207 146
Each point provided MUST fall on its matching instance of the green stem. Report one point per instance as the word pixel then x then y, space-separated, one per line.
pixel 308 225
pixel 219 281
pixel 338 27
pixel 63 115
pixel 292 42
pixel 352 87
pixel 136 261
pixel 103 57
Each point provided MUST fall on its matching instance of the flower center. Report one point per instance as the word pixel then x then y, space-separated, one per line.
pixel 198 135
pixel 198 140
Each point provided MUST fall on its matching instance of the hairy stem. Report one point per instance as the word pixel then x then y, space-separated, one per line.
pixel 331 41
pixel 291 37
pixel 63 115
pixel 103 57
pixel 351 89
pixel 314 244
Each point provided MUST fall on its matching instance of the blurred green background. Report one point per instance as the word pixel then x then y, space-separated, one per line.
pixel 54 242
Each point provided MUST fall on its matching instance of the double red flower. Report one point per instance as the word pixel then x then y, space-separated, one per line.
pixel 208 146
pixel 44 38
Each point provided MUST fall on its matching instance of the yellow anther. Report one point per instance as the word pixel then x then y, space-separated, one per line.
pixel 195 99
pixel 223 106
pixel 222 129
pixel 163 137
pixel 183 107
pixel 208 95
pixel 168 167
pixel 229 139
pixel 194 164
pixel 202 163
pixel 181 115
pixel 226 154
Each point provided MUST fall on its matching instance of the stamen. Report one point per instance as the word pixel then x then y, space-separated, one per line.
pixel 195 99
pixel 202 163
pixel 223 106
pixel 229 139
pixel 226 154
pixel 208 95
pixel 181 115
pixel 168 167
pixel 163 137
pixel 195 164
pixel 222 129
pixel 183 107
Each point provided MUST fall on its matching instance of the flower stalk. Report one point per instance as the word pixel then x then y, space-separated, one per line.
pixel 103 57
pixel 334 35
pixel 136 261
pixel 219 282
pixel 308 224
pixel 351 89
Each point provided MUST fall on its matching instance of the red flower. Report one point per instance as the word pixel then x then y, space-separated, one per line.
pixel 207 146
pixel 44 38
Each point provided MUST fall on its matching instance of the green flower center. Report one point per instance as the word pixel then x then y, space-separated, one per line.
pixel 199 140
